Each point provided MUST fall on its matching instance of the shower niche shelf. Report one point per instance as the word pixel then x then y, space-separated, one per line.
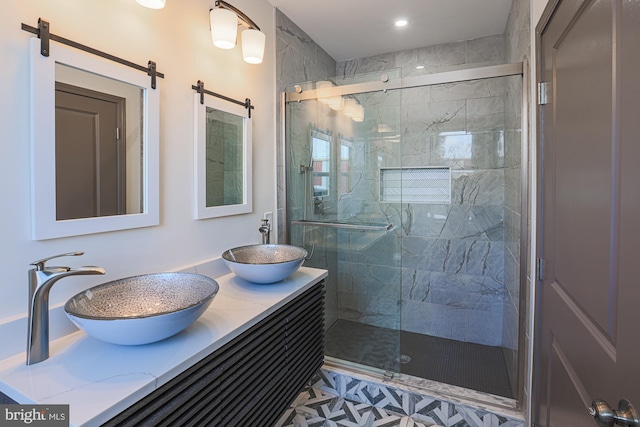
pixel 428 184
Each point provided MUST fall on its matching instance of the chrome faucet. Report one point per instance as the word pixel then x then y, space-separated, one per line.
pixel 41 279
pixel 265 230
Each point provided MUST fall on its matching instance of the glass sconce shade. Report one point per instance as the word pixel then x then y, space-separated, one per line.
pixel 324 90
pixel 359 116
pixel 152 4
pixel 253 46
pixel 224 28
pixel 336 103
pixel 350 109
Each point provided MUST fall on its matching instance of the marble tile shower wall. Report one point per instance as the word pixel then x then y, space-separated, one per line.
pixel 300 59
pixel 369 294
pixel 369 262
pixel 435 59
pixel 452 259
pixel 321 242
pixel 455 256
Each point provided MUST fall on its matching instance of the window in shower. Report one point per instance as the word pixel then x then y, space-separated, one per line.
pixel 321 164
pixel 331 172
pixel 344 184
pixel 456 145
pixel 470 150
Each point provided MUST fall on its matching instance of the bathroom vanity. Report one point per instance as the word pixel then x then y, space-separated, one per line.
pixel 241 363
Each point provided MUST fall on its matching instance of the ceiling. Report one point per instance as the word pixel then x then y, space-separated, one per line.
pixel 348 29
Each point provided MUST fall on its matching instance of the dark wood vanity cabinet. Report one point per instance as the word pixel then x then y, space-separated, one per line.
pixel 250 381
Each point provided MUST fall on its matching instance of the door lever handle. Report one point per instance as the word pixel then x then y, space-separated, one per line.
pixel 625 415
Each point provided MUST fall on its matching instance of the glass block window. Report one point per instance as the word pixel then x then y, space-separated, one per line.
pixel 416 185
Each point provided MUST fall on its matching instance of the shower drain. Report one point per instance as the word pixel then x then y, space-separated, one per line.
pixel 403 358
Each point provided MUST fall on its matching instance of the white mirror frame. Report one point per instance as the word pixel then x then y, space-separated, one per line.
pixel 43 183
pixel 200 132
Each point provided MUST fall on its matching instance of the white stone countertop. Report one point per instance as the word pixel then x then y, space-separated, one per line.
pixel 99 380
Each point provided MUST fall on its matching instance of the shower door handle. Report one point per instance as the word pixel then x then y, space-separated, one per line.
pixel 335 224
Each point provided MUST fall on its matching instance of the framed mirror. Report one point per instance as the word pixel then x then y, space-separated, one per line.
pixel 222 157
pixel 94 144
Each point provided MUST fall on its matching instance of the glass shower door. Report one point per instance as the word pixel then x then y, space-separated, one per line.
pixel 416 212
pixel 335 211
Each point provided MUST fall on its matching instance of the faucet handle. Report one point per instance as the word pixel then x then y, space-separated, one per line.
pixel 40 264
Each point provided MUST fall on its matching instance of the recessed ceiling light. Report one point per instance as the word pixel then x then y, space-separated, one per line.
pixel 401 23
pixel 152 4
pixel 420 67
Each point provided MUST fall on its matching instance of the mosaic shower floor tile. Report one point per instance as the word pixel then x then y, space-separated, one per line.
pixel 473 366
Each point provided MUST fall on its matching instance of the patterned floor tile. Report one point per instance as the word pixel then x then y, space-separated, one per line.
pixel 392 406
pixel 317 408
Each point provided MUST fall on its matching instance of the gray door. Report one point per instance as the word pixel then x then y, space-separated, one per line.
pixel 90 164
pixel 589 323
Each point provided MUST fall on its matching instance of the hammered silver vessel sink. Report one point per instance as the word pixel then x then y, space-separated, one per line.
pixel 141 309
pixel 264 264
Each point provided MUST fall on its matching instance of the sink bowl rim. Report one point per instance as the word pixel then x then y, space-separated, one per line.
pixel 70 311
pixel 303 254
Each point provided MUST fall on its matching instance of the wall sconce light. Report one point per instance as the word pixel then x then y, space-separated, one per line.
pixel 224 20
pixel 152 4
pixel 336 103
pixel 323 88
pixel 253 45
pixel 350 107
pixel 359 115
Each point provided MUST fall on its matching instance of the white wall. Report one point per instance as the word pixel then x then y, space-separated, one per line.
pixel 178 39
pixel 537 7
